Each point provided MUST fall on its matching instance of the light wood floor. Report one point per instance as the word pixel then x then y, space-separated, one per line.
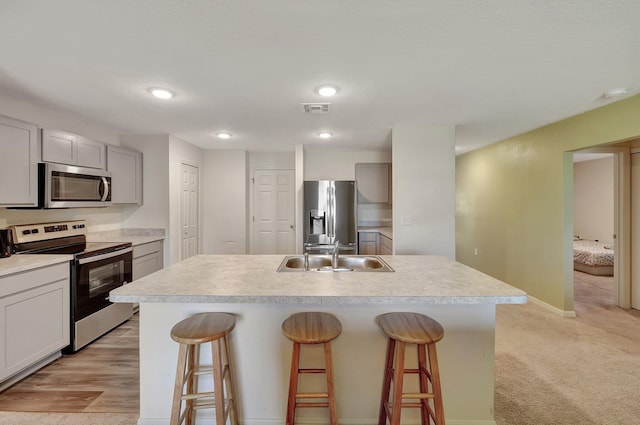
pixel 102 377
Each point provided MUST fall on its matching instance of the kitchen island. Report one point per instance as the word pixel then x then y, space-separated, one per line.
pixel 462 299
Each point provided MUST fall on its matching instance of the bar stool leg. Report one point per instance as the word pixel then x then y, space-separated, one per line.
pixel 177 389
pixel 293 384
pixel 328 360
pixel 217 381
pixel 231 396
pixel 424 385
pixel 435 384
pixel 386 382
pixel 191 378
pixel 398 379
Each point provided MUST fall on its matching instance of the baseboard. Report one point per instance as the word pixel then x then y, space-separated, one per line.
pixel 556 310
pixel 19 376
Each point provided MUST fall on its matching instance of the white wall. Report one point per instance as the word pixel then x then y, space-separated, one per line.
pixel 154 211
pixel 424 190
pixel 299 173
pixel 271 161
pixel 47 117
pixel 335 164
pixel 593 199
pixel 224 190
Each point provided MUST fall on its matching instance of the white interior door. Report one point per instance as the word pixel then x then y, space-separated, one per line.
pixel 189 211
pixel 273 212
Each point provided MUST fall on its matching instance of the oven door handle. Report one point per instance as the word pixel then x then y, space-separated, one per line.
pixel 104 256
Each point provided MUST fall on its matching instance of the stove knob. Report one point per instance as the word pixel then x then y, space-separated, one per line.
pixel 26 232
pixel 34 231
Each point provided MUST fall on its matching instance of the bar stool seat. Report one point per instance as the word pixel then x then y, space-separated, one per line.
pixel 311 328
pixel 423 331
pixel 190 333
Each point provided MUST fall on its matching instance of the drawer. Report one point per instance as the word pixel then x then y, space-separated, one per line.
pixel 23 281
pixel 147 248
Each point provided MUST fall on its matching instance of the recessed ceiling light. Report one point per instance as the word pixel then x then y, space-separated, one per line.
pixel 325 135
pixel 224 135
pixel 161 93
pixel 620 91
pixel 327 91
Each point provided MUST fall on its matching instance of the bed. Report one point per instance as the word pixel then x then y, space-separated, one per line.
pixel 593 257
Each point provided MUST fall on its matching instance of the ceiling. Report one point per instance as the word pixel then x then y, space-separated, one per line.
pixel 493 68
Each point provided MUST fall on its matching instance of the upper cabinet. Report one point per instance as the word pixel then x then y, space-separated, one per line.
pixel 18 163
pixel 374 183
pixel 125 166
pixel 71 149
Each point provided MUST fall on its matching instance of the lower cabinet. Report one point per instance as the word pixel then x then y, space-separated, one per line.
pixel 147 258
pixel 374 243
pixel 34 317
pixel 386 246
pixel 368 243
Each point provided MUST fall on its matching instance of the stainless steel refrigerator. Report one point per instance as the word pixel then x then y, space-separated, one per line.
pixel 330 215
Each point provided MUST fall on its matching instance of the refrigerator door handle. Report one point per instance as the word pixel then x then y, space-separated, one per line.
pixel 329 213
pixel 333 212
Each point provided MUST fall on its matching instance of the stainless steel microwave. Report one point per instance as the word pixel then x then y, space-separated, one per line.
pixel 66 186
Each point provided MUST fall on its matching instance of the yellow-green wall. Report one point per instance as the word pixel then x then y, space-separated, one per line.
pixel 514 200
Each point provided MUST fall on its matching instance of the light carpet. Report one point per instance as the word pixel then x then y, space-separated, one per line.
pixel 554 370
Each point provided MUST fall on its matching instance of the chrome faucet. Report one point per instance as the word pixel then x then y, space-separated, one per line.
pixel 306 261
pixel 335 255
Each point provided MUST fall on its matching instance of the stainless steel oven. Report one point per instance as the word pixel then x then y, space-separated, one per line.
pixel 96 269
pixel 100 268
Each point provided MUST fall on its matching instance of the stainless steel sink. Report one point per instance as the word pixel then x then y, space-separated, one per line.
pixel 346 263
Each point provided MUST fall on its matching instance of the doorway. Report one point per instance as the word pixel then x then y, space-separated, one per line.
pixel 273 218
pixel 593 230
pixel 189 217
pixel 601 226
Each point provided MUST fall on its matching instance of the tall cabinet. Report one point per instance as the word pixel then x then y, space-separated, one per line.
pixel 18 163
pixel 374 183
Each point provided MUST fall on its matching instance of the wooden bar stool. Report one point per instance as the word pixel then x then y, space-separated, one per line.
pixel 311 328
pixel 411 328
pixel 190 333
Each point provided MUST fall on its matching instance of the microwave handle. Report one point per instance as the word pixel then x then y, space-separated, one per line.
pixel 105 193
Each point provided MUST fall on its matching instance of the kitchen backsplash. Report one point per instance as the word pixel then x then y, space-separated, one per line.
pixel 375 214
pixel 99 219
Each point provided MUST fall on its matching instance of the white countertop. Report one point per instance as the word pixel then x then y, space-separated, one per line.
pixel 253 279
pixel 23 262
pixel 135 236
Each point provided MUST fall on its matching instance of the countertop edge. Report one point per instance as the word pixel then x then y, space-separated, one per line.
pixel 20 263
pixel 258 299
